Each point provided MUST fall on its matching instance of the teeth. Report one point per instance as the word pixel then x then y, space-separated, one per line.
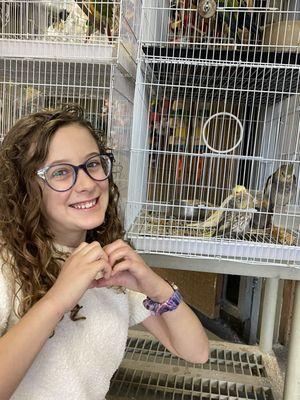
pixel 86 205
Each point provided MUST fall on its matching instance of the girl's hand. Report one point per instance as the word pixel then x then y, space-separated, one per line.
pixel 129 270
pixel 79 272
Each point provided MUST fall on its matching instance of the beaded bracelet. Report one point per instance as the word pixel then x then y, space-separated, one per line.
pixel 171 304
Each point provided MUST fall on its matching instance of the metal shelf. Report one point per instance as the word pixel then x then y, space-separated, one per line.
pixel 74 52
pixel 149 371
pixel 61 75
pixel 232 55
pixel 227 249
pixel 220 80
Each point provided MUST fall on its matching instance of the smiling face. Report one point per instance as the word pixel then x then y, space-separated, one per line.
pixel 70 214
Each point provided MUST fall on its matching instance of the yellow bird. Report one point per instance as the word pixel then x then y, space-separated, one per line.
pixel 220 220
pixel 237 220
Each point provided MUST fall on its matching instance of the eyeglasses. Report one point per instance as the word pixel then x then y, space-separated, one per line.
pixel 62 177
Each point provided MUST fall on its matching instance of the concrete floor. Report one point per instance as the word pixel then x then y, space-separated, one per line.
pixel 281 353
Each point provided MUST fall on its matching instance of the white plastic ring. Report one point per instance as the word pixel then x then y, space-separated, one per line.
pixel 237 143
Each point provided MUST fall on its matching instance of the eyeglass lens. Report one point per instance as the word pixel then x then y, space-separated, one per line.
pixel 62 177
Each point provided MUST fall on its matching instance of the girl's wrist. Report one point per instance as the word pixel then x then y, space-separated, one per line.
pixel 163 294
pixel 53 307
pixel 160 307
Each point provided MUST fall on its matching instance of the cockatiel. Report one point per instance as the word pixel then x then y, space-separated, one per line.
pixel 281 187
pixel 215 218
pixel 236 221
pixel 100 16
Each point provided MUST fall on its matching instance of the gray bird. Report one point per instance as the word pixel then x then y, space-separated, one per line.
pixel 237 220
pixel 281 187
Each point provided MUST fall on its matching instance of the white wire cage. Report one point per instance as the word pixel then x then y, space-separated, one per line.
pixel 218 25
pixel 103 31
pixel 215 147
pixel 27 86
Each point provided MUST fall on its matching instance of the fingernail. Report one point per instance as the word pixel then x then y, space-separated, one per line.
pixel 99 275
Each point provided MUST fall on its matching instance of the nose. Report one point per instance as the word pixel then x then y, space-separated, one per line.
pixel 84 182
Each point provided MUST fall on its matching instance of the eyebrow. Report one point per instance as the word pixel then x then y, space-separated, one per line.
pixel 65 161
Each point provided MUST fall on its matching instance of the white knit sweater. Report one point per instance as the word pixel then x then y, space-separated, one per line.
pixel 80 359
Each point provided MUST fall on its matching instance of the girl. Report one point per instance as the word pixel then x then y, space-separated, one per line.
pixel 69 285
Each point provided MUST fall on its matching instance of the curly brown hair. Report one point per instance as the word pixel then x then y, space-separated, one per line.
pixel 27 244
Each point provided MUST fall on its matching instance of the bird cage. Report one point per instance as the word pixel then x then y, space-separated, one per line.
pixel 96 45
pixel 103 31
pixel 26 86
pixel 215 148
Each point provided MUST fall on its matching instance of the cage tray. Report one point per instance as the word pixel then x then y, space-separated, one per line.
pixel 173 236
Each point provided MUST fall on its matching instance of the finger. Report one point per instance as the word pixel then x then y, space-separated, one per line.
pixel 93 253
pixel 101 269
pixel 121 267
pixel 99 275
pixel 109 248
pixel 119 255
pixel 112 281
pixel 93 284
pixel 107 271
pixel 92 246
pixel 85 248
pixel 79 248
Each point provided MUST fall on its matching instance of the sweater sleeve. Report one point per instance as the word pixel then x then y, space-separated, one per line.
pixel 5 299
pixel 137 311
